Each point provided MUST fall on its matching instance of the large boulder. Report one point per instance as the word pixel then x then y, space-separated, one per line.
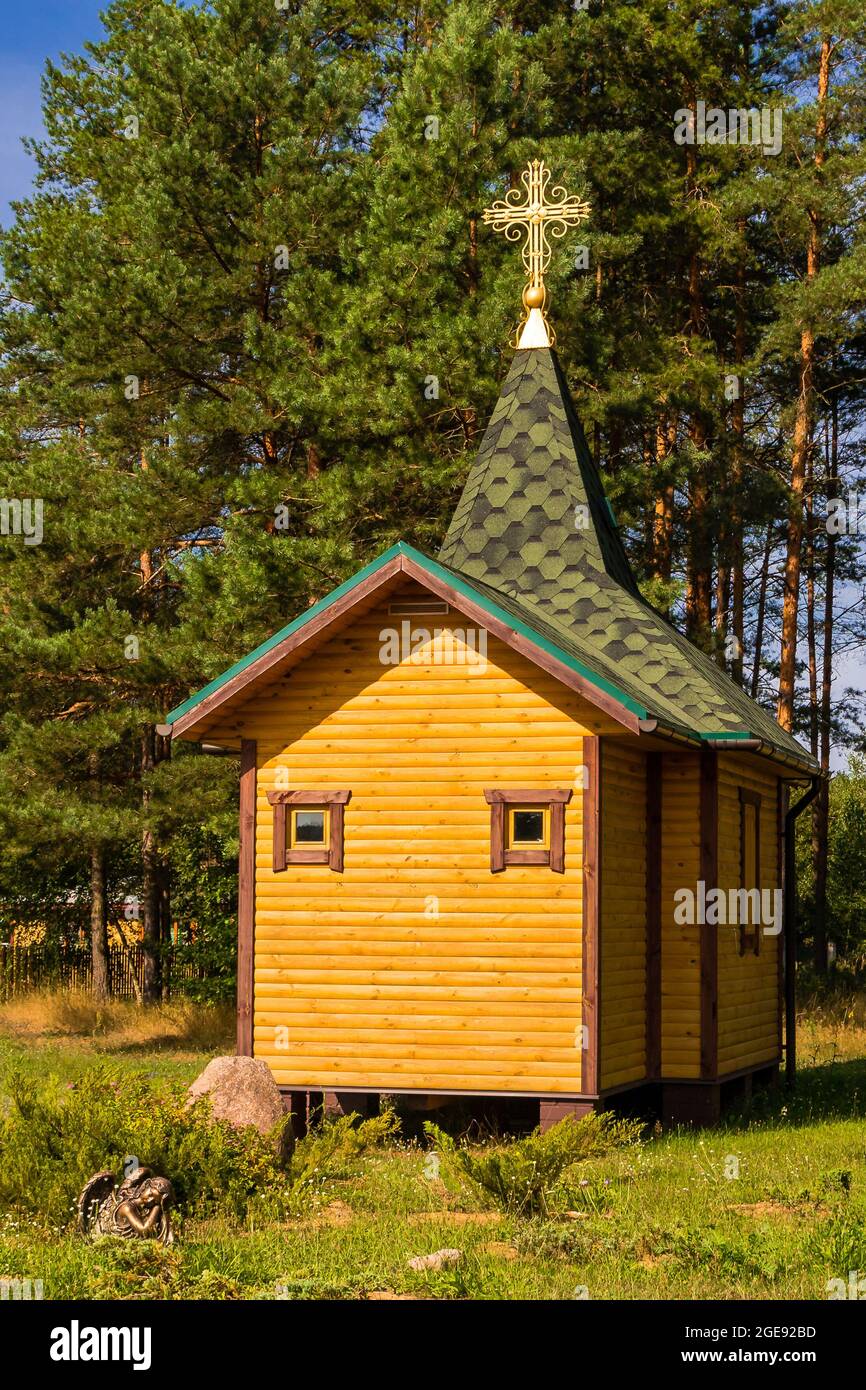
pixel 242 1092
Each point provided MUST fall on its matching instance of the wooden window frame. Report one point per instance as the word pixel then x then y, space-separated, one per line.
pixel 750 934
pixel 332 853
pixel 553 800
pixel 512 811
pixel 292 812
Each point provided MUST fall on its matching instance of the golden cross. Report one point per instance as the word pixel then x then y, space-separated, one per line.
pixel 534 217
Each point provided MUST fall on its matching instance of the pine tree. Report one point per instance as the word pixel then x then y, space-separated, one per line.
pixel 255 328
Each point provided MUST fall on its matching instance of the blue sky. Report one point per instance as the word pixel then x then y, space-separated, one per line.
pixel 30 32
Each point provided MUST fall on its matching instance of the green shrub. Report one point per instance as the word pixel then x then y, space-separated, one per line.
pixel 527 1177
pixel 146 1270
pixel 839 1245
pixel 757 1254
pixel 556 1240
pixel 329 1152
pixel 53 1137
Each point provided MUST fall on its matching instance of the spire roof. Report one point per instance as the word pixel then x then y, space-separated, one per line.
pixel 535 531
pixel 533 514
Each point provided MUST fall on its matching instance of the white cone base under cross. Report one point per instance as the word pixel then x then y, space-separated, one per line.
pixel 535 334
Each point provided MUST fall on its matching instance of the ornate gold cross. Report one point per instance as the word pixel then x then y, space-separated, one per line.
pixel 535 217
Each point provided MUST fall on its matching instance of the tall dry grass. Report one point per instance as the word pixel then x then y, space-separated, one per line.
pixel 75 1016
pixel 831 1022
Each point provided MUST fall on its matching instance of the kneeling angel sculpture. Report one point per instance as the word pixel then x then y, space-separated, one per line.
pixel 139 1207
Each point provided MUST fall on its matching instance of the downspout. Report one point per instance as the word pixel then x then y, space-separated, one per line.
pixel 789 930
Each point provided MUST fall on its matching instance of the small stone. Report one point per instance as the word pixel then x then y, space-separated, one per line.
pixel 438 1260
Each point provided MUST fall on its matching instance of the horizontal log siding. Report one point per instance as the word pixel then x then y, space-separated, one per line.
pixel 416 968
pixel 749 984
pixel 623 915
pixel 681 976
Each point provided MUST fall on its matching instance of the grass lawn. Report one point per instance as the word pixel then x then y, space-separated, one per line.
pixel 770 1206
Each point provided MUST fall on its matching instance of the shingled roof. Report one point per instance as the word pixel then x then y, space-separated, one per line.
pixel 534 529
pixel 533 514
pixel 533 550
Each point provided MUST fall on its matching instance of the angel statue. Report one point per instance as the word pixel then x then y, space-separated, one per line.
pixel 138 1207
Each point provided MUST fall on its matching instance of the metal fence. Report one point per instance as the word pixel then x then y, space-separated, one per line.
pixel 25 968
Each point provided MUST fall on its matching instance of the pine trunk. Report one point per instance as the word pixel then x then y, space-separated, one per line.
pixel 723 603
pixel 151 983
pixel 100 977
pixel 699 556
pixel 802 434
pixel 821 820
pixel 663 519
pixel 738 425
pixel 762 612
pixel 811 638
pixel 699 593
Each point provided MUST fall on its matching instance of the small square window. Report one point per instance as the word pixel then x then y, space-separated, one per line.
pixel 308 827
pixel 528 827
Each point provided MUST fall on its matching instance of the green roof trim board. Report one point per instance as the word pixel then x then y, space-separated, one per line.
pixel 534 542
pixel 268 645
pixel 457 582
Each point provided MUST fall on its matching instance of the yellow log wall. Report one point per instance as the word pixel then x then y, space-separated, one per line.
pixel 416 968
pixel 623 914
pixel 748 985
pixel 681 969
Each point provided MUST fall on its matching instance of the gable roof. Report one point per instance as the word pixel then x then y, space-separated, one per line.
pixel 402 561
pixel 544 642
pixel 534 554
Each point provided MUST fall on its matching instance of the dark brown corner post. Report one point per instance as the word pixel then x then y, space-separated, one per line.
pixel 653 916
pixel 246 897
pixel 709 872
pixel 591 972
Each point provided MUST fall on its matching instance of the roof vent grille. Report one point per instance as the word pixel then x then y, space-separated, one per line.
pixel 417 607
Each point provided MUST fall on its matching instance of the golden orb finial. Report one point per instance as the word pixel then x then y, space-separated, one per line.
pixel 533 217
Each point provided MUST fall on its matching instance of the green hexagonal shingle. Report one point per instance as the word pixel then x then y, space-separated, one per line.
pixel 534 531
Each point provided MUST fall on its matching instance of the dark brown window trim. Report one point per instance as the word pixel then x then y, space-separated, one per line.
pixel 556 799
pixel 333 854
pixel 750 933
